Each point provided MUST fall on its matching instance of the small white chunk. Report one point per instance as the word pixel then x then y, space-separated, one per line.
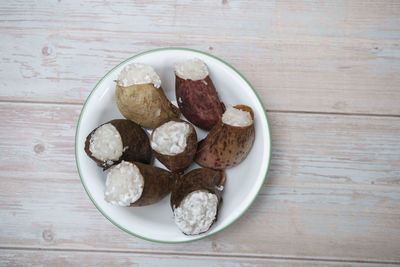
pixel 237 117
pixel 124 184
pixel 196 212
pixel 170 138
pixel 193 69
pixel 137 73
pixel 106 143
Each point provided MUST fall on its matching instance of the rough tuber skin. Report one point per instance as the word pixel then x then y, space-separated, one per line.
pixel 209 180
pixel 145 104
pixel 158 183
pixel 134 139
pixel 226 146
pixel 199 102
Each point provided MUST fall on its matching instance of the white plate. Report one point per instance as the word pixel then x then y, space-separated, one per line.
pixel 155 222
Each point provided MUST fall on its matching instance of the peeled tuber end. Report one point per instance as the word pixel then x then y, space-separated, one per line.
pixel 137 73
pixel 177 152
pixel 207 186
pixel 192 69
pixel 124 184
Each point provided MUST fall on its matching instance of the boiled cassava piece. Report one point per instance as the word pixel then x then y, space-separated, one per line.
pixel 135 184
pixel 140 97
pixel 196 199
pixel 230 141
pixel 174 144
pixel 118 140
pixel 196 94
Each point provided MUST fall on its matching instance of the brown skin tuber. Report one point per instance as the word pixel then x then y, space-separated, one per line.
pixel 179 162
pixel 145 104
pixel 226 146
pixel 211 181
pixel 134 139
pixel 199 102
pixel 157 184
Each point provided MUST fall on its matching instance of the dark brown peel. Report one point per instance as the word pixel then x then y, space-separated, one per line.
pixel 197 179
pixel 157 184
pixel 203 179
pixel 179 162
pixel 226 146
pixel 135 142
pixel 199 102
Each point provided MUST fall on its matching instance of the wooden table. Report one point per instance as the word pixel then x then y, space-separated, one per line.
pixel 328 73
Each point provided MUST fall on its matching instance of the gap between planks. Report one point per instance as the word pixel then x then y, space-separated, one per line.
pixel 41 102
pixel 240 256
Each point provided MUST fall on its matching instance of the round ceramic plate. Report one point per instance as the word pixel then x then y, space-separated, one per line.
pixel 155 222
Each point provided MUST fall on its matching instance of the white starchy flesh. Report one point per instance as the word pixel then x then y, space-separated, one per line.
pixel 124 184
pixel 237 117
pixel 193 69
pixel 106 143
pixel 137 73
pixel 170 138
pixel 196 212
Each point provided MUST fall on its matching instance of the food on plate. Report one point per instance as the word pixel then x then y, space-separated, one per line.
pixel 196 94
pixel 140 97
pixel 230 141
pixel 118 140
pixel 174 144
pixel 136 184
pixel 196 199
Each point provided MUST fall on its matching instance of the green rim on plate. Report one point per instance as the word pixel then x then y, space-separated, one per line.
pixel 78 126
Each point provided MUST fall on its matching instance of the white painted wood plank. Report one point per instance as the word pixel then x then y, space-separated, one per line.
pixel 311 223
pixel 299 55
pixel 76 258
pixel 333 190
pixel 332 149
pixel 372 19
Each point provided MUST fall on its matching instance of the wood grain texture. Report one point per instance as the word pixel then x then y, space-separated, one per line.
pixel 341 57
pixel 332 192
pixel 80 258
pixel 371 19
